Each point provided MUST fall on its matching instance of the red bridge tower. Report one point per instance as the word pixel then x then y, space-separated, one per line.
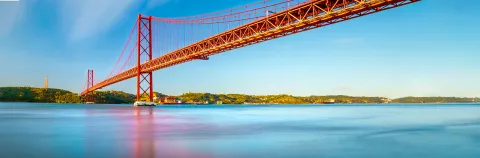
pixel 89 96
pixel 144 79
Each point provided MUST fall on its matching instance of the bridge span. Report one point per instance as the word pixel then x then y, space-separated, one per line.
pixel 178 40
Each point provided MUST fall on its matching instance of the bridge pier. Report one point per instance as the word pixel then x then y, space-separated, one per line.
pixel 141 103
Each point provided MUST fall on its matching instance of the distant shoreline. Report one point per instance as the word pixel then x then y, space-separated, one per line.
pixel 51 95
pixel 1 102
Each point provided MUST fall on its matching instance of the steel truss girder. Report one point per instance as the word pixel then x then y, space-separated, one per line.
pixel 306 16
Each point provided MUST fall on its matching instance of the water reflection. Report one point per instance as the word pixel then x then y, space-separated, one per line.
pixel 148 132
pixel 143 142
pixel 46 130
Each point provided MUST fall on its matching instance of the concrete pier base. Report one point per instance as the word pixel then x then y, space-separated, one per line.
pixel 139 103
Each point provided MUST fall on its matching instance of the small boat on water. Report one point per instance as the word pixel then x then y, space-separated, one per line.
pixel 89 103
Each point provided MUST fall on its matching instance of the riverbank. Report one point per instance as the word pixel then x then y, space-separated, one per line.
pixel 50 95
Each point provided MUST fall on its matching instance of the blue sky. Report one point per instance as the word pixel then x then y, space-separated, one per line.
pixel 426 49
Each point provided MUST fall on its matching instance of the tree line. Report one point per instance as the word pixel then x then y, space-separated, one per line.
pixel 436 100
pixel 51 95
pixel 274 99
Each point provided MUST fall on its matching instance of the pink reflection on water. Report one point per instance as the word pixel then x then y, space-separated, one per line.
pixel 147 132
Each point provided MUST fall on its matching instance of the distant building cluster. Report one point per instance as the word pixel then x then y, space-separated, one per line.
pixel 386 100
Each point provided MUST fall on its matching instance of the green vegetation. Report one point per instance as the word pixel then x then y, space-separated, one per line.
pixel 113 97
pixel 29 94
pixel 435 100
pixel 273 99
pixel 50 95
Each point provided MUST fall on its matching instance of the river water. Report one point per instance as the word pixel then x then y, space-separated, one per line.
pixel 334 131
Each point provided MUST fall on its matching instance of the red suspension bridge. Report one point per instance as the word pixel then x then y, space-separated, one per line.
pixel 159 43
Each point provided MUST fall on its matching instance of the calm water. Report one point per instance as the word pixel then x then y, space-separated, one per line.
pixel 402 131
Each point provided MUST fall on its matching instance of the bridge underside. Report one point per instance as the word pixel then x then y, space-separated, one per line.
pixel 306 16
